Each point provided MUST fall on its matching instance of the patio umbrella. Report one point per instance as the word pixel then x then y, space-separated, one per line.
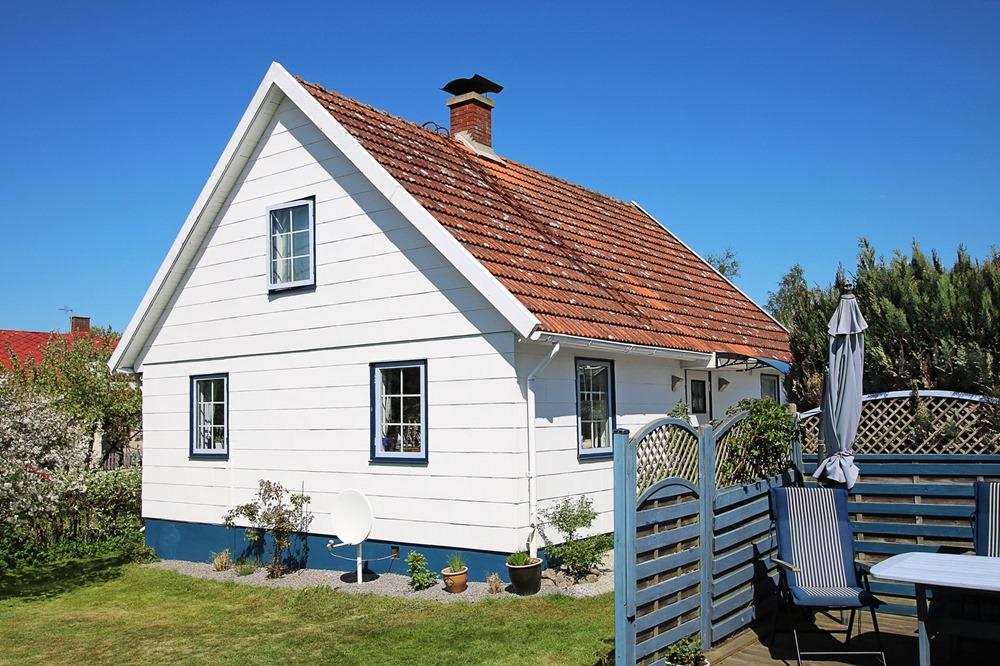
pixel 842 393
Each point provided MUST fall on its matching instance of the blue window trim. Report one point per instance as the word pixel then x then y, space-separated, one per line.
pixel 192 426
pixel 273 287
pixel 389 459
pixel 604 453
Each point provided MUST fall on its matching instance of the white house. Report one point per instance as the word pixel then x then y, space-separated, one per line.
pixel 357 301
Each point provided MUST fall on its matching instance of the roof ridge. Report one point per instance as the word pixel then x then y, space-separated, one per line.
pixel 383 112
pixel 439 135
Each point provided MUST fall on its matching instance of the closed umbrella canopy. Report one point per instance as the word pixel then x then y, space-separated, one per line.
pixel 843 391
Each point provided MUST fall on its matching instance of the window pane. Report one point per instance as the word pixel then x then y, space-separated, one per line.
pixel 281 271
pixel 390 381
pixel 300 243
pixel 280 221
pixel 601 434
pixel 301 270
pixel 411 439
pixel 300 218
pixel 411 380
pixel 219 417
pixel 586 434
pixel 219 437
pixel 411 410
pixel 769 387
pixel 390 438
pixel 698 398
pixel 204 440
pixel 204 390
pixel 392 411
pixel 281 247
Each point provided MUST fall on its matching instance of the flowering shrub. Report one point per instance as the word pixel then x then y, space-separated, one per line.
pixel 51 505
pixel 43 456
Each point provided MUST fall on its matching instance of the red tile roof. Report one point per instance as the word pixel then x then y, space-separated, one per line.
pixel 24 345
pixel 583 263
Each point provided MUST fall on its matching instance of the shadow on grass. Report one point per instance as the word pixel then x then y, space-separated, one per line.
pixel 53 579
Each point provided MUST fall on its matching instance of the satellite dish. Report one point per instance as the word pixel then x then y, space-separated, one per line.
pixel 351 516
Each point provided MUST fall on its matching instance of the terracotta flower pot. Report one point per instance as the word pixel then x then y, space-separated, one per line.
pixel 527 578
pixel 455 582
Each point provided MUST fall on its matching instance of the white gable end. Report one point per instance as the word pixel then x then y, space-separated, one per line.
pixel 378 279
pixel 322 152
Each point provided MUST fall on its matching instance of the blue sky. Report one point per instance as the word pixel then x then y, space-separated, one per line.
pixel 784 131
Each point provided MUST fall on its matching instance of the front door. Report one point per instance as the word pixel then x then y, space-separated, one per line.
pixel 699 395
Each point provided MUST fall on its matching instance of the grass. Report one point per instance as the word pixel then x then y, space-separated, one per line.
pixel 103 612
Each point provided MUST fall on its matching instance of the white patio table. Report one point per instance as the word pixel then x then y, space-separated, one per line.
pixel 966 572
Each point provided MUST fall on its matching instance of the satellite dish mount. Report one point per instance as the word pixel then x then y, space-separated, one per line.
pixel 352 519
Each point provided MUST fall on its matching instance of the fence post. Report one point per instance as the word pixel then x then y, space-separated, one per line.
pixel 625 499
pixel 706 498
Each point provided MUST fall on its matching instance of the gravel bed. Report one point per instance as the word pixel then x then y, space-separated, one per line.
pixel 385 584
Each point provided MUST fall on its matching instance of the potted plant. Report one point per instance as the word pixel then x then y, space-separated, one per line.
pixel 686 652
pixel 456 574
pixel 525 573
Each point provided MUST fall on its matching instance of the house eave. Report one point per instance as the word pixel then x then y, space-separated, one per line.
pixel 576 342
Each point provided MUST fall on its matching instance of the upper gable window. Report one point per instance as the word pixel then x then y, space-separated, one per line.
pixel 291 260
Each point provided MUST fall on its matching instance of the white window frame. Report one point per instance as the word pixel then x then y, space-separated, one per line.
pixel 377 453
pixel 777 387
pixel 602 451
pixel 194 451
pixel 280 286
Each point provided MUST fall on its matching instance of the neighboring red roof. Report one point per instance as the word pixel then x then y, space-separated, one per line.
pixel 31 344
pixel 583 263
pixel 24 344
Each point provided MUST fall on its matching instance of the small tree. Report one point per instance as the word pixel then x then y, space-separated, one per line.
pixel 726 263
pixel 268 513
pixel 74 371
pixel 579 556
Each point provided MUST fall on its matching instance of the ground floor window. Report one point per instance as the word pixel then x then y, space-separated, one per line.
pixel 769 387
pixel 209 415
pixel 399 411
pixel 595 406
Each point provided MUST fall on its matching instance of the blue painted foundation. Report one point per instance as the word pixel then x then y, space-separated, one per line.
pixel 195 542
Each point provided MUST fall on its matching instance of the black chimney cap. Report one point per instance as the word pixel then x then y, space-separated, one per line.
pixel 476 84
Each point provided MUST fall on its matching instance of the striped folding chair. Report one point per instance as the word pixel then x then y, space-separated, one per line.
pixel 986 520
pixel 816 559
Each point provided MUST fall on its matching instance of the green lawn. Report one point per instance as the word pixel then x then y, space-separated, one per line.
pixel 104 612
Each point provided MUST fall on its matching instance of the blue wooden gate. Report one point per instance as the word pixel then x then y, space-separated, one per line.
pixel 662 524
pixel 690 559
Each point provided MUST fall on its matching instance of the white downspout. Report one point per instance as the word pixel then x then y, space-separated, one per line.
pixel 532 491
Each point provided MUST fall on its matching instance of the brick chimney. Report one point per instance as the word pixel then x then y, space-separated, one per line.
pixel 471 109
pixel 79 324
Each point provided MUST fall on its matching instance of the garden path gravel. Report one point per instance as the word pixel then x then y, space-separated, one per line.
pixel 385 584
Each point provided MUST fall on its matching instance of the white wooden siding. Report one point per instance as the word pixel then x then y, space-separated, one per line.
pixel 642 393
pixel 298 364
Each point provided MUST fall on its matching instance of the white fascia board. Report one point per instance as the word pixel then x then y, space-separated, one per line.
pixel 519 317
pixel 261 106
pixel 691 250
pixel 265 101
pixel 697 358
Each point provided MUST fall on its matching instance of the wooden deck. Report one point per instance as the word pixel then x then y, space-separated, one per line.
pixel 899 636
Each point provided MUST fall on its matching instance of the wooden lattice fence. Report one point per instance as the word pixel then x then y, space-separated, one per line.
pixel 667 450
pixel 926 422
